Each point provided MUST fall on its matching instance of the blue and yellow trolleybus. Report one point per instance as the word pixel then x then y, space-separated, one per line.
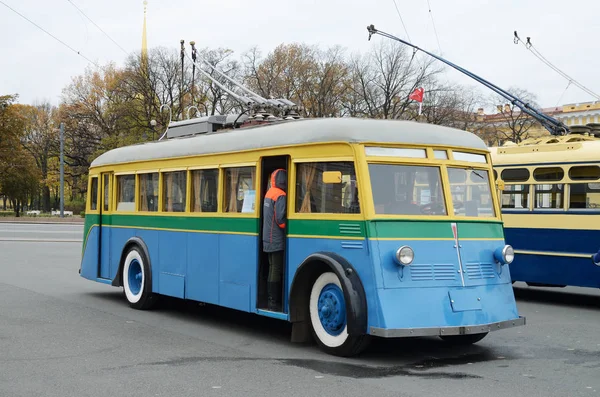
pixel 393 227
pixel 551 207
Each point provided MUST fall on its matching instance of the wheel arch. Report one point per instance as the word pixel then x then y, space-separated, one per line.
pixel 354 293
pixel 132 242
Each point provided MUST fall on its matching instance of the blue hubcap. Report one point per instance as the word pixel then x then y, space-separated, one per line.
pixel 332 309
pixel 134 278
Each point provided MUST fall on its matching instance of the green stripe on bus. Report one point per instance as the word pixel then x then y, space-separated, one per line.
pixel 326 228
pixel 433 229
pixel 209 224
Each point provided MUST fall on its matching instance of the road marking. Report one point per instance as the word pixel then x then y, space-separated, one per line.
pixel 40 240
pixel 39 231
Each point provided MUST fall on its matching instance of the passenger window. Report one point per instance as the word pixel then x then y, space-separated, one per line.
pixel 313 195
pixel 204 190
pixel 515 197
pixel 240 192
pixel 407 190
pixel 94 195
pixel 149 192
pixel 589 172
pixel 549 196
pixel 174 190
pixel 548 174
pixel 584 196
pixel 126 193
pixel 515 175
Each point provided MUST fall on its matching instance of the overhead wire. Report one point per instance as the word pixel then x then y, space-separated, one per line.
pixel 99 28
pixel 563 93
pixel 530 47
pixel 401 20
pixel 434 28
pixel 49 34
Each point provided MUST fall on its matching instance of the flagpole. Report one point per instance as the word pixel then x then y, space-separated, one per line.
pixel 420 107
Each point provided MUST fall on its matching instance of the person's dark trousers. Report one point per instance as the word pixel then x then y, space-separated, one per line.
pixel 274 280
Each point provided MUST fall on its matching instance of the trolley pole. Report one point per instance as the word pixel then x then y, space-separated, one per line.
pixel 62 170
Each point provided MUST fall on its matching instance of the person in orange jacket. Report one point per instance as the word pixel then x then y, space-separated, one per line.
pixel 274 222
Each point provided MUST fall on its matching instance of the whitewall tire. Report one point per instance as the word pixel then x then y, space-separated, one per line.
pixel 136 277
pixel 327 310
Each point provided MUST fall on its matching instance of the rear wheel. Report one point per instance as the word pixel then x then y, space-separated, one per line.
pixel 327 308
pixel 463 340
pixel 137 282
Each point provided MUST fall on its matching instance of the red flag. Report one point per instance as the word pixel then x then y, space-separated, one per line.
pixel 417 95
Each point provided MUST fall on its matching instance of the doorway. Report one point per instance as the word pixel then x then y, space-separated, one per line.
pixel 268 165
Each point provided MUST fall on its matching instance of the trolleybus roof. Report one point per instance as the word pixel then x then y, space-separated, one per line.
pixel 294 133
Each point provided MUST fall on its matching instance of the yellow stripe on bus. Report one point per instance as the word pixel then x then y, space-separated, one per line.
pixel 550 221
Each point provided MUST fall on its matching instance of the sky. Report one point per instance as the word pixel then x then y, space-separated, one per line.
pixel 475 34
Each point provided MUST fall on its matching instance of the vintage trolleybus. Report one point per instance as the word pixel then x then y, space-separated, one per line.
pixel 393 229
pixel 551 207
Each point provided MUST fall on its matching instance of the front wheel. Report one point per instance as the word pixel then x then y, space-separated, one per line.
pixel 328 318
pixel 137 282
pixel 463 340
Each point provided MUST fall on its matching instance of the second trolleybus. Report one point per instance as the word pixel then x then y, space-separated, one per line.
pixel 551 208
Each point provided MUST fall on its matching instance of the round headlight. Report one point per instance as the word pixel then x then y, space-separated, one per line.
pixel 405 255
pixel 508 254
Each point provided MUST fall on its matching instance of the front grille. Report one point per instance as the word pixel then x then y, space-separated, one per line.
pixel 479 271
pixel 433 272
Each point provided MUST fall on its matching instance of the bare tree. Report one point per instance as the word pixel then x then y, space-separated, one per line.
pixel 451 105
pixel 510 123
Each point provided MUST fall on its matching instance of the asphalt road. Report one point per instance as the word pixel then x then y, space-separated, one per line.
pixel 61 335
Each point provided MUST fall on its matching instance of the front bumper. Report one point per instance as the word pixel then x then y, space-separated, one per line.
pixel 443 331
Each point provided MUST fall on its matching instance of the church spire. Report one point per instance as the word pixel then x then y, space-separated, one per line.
pixel 144 40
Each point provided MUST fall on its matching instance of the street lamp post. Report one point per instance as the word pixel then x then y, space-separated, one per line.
pixel 152 125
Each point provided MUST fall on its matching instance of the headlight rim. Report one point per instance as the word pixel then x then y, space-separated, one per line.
pixel 398 255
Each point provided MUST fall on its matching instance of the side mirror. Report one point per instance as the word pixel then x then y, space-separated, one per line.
pixel 332 177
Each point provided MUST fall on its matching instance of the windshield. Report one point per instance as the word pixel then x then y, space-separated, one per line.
pixel 471 193
pixel 407 190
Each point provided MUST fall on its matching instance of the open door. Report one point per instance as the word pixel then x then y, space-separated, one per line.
pixel 268 166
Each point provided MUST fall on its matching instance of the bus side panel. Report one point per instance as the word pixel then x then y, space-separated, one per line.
pixel 238 256
pixel 555 270
pixel 150 239
pixel 172 263
pixel 202 281
pixel 89 261
pixel 105 244
pixel 118 238
pixel 356 252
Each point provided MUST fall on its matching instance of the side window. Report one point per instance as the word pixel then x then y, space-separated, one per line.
pixel 240 193
pixel 204 190
pixel 549 196
pixel 314 195
pixel 515 175
pixel 149 192
pixel 174 190
pixel 94 194
pixel 106 198
pixel 548 174
pixel 584 196
pixel 515 197
pixel 583 172
pixel 126 193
